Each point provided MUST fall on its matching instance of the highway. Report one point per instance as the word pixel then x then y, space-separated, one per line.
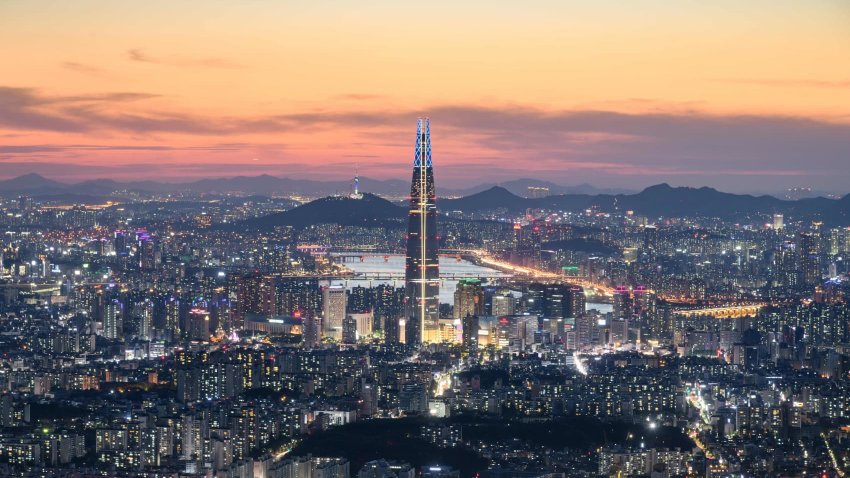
pixel 592 288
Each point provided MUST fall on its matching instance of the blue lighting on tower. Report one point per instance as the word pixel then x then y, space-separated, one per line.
pixel 423 142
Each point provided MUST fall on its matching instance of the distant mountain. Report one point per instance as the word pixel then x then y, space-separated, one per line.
pixel 371 210
pixel 498 198
pixel 265 184
pixel 664 200
pixel 37 185
pixel 29 184
pixel 660 200
pixel 839 213
pixel 520 187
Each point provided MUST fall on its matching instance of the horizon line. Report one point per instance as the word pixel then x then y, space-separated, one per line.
pixel 619 190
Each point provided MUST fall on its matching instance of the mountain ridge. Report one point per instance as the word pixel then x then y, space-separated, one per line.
pixel 660 200
pixel 37 185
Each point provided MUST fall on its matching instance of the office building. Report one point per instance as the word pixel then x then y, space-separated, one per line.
pixel 422 275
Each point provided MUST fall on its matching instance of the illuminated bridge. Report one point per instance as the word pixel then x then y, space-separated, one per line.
pixel 451 276
pixel 722 312
pixel 502 270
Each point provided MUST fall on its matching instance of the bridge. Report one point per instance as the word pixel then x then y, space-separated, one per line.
pixel 531 273
pixel 43 288
pixel 722 312
pixel 444 276
pixel 502 270
pixel 361 257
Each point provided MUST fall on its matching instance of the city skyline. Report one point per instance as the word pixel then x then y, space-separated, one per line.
pixel 626 252
pixel 692 94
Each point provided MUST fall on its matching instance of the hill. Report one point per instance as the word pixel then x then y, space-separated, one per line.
pixel 661 200
pixel 496 197
pixel 371 210
pixel 589 246
pixel 30 184
pixel 392 439
pixel 398 439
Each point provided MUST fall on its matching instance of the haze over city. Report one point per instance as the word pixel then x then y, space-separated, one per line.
pixel 744 97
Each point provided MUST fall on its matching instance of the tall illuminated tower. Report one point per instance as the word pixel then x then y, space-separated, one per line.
pixel 421 273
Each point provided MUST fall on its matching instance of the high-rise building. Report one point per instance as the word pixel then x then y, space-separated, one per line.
pixel 333 311
pixel 470 336
pixel 145 317
pixel 422 274
pixel 361 299
pixel 198 327
pixel 469 298
pixel 578 301
pixel 619 331
pixel 785 266
pixel 557 301
pixel 778 222
pixel 120 244
pixel 808 255
pixel 172 318
pixel 650 239
pixel 587 330
pixel 113 320
pixel 839 241
pixel 349 330
pixel 502 303
pixel 148 254
pixel 534 298
pixel 622 303
pixel 311 330
pixel 389 308
pixel 255 295
pixel 362 326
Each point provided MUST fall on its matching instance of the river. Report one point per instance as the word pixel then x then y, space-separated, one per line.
pixel 394 264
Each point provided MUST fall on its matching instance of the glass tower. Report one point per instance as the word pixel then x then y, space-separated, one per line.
pixel 421 273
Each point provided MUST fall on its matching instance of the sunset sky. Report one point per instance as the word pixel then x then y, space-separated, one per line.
pixel 743 96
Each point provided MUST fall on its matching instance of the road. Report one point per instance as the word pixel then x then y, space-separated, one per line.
pixel 590 287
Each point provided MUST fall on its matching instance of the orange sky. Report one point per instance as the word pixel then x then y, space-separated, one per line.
pixel 615 93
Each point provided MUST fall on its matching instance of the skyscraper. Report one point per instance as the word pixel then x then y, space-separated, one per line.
pixel 808 255
pixel 469 298
pixel 113 320
pixel 333 316
pixel 255 294
pixel 578 301
pixel 421 273
pixel 785 266
pixel 198 327
pixel 148 255
pixel 778 222
pixel 502 303
pixel 470 337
